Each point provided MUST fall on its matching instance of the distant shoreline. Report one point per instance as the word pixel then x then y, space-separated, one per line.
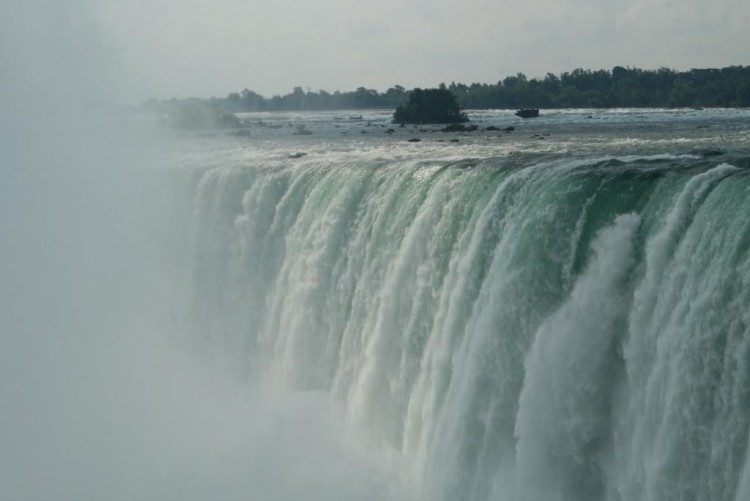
pixel 620 87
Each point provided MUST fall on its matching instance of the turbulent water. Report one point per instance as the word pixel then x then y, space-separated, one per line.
pixel 560 312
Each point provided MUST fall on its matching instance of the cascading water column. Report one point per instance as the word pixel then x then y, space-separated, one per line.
pixel 571 330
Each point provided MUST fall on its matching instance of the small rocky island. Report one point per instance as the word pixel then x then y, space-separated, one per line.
pixel 528 113
pixel 430 106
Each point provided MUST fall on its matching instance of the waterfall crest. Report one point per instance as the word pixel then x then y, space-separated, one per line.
pixel 545 329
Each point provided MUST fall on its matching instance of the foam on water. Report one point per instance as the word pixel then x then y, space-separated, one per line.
pixel 506 317
pixel 514 327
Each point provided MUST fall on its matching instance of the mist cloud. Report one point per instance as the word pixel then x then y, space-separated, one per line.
pixel 100 397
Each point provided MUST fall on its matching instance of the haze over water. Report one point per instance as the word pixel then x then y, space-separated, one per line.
pixel 558 312
pixel 553 312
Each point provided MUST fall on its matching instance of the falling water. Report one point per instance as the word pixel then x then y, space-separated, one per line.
pixel 516 328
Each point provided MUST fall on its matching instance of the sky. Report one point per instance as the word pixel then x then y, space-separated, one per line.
pixel 164 48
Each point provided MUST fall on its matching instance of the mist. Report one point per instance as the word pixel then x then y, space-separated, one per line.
pixel 418 288
pixel 104 393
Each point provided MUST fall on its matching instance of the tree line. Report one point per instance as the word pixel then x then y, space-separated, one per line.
pixel 619 87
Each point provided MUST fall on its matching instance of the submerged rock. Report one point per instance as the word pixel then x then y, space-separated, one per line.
pixel 244 132
pixel 459 128
pixel 302 130
pixel 708 152
pixel 528 113
pixel 454 128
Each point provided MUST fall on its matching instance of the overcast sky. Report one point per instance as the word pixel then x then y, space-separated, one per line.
pixel 181 48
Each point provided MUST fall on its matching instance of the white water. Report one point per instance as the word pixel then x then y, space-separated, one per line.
pixel 558 331
pixel 378 321
pixel 532 321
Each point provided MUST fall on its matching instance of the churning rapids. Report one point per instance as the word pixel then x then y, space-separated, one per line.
pixel 560 312
pixel 557 313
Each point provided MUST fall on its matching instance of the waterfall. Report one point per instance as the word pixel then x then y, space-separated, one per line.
pixel 517 328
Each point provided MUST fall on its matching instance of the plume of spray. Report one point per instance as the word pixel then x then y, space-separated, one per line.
pixel 100 398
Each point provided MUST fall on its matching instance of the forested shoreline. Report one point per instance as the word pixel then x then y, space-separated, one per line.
pixel 619 87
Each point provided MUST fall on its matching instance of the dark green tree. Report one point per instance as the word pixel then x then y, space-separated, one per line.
pixel 621 86
pixel 430 106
